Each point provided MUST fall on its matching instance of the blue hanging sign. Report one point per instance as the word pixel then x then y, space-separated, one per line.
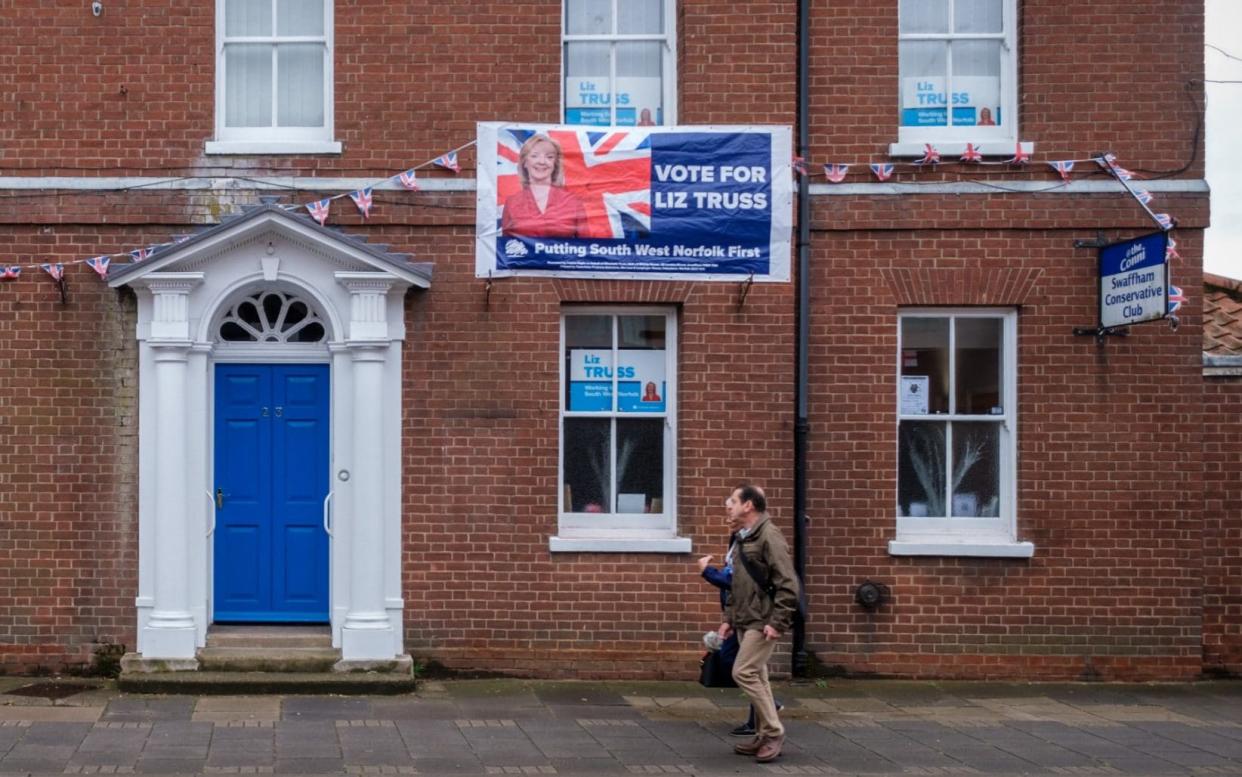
pixel 1134 281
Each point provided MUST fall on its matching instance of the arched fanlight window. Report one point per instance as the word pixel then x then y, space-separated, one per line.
pixel 272 317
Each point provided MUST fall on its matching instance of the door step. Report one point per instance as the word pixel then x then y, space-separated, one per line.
pixel 248 683
pixel 264 636
pixel 267 659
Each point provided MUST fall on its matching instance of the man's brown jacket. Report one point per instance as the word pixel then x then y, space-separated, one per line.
pixel 750 607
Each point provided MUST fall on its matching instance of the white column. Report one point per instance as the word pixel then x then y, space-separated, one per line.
pixel 367 633
pixel 170 632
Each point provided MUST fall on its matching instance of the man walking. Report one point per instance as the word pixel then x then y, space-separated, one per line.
pixel 761 608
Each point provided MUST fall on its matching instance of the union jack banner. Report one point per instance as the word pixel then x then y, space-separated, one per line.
pixel 609 172
pixel 1020 157
pixel 1170 252
pixel 930 155
pixel 409 180
pixel 10 273
pixel 836 173
pixel 362 198
pixel 883 170
pixel 799 165
pixel 1176 297
pixel 1107 161
pixel 319 210
pixel 1122 173
pixel 100 265
pixel 1164 220
pixel 971 154
pixel 1143 196
pixel 448 161
pixel 1063 169
pixel 141 254
pixel 57 271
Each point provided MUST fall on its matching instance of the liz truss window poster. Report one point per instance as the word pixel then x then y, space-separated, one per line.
pixel 706 203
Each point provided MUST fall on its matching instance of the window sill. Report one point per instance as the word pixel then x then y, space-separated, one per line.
pixel 261 147
pixel 619 545
pixel 986 549
pixel 951 149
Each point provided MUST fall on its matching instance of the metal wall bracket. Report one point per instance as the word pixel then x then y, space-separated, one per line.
pixel 1099 242
pixel 744 289
pixel 487 291
pixel 1101 332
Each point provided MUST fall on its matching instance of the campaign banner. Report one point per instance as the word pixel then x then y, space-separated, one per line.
pixel 638 98
pixel 641 387
pixel 706 203
pixel 975 102
pixel 1134 280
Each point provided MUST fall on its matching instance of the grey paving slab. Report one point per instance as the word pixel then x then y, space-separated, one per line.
pixel 1198 738
pixel 458 765
pixel 415 709
pixel 138 708
pixel 169 766
pixel 308 766
pixel 9 736
pixel 56 734
pixel 588 766
pixel 586 694
pixel 36 758
pixel 325 708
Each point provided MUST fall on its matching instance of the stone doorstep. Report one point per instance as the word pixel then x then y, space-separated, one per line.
pixel 269 636
pixel 268 659
pixel 284 683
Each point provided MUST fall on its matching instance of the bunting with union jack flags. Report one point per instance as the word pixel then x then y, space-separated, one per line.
pixel 635 202
pixel 448 161
pixel 362 198
pixel 409 180
pixel 836 173
pixel 100 265
pixel 319 210
pixel 57 271
pixel 882 170
pixel 10 272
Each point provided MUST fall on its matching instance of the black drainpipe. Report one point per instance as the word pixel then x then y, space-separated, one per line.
pixel 801 423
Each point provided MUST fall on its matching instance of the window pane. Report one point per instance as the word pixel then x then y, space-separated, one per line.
pixel 640 92
pixel 978 16
pixel 979 375
pixel 586 464
pixel 248 86
pixel 920 469
pixel 300 85
pixel 641 332
pixel 587 88
pixel 976 83
pixel 924 66
pixel 299 17
pixel 588 17
pixel 924 16
pixel 588 363
pixel 976 470
pixel 635 17
pixel 925 351
pixel 247 17
pixel 640 465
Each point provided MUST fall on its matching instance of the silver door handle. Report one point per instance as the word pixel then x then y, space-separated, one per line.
pixel 326 526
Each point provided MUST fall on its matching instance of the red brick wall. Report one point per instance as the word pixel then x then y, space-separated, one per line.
pixel 1222 525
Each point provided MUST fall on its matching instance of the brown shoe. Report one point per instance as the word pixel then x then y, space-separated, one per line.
pixel 770 750
pixel 749 748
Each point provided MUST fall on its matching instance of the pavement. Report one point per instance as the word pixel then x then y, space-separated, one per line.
pixel 502 727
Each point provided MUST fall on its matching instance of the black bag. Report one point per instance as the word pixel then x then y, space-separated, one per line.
pixel 715 671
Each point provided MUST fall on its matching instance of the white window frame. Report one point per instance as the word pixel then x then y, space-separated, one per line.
pixel 622 532
pixel 994 537
pixel 273 139
pixel 951 141
pixel 668 67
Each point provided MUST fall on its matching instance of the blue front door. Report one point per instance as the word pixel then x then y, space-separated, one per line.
pixel 271 466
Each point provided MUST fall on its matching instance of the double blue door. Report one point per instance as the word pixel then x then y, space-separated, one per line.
pixel 271 467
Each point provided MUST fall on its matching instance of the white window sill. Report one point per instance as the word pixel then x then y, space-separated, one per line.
pixel 951 150
pixel 255 147
pixel 986 549
pixel 619 545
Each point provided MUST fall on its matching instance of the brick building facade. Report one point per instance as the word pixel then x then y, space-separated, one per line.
pixel 1120 471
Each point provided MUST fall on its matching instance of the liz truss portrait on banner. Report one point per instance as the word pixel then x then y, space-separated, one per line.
pixel 543 207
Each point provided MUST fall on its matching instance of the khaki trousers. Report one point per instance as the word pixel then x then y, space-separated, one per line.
pixel 750 672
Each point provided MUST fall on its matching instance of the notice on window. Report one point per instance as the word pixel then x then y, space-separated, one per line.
pixel 975 102
pixel 641 386
pixel 914 394
pixel 639 101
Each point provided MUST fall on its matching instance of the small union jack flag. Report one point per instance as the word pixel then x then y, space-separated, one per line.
pixel 836 173
pixel 141 254
pixel 100 265
pixel 1176 297
pixel 362 198
pixel 180 238
pixel 930 155
pixel 1165 221
pixel 10 273
pixel 971 154
pixel 799 165
pixel 319 210
pixel 883 170
pixel 448 162
pixel 1143 196
pixel 1063 169
pixel 1170 252
pixel 1122 173
pixel 1020 157
pixel 1107 161
pixel 57 271
pixel 409 180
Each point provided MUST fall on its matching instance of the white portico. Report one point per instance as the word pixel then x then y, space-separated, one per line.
pixel 270 293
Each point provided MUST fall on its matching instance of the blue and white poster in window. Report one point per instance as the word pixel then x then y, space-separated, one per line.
pixel 639 99
pixel 641 385
pixel 925 101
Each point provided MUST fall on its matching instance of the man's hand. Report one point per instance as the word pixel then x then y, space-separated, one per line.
pixel 704 561
pixel 725 631
pixel 770 633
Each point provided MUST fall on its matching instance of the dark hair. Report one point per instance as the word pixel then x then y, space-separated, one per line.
pixel 753 494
